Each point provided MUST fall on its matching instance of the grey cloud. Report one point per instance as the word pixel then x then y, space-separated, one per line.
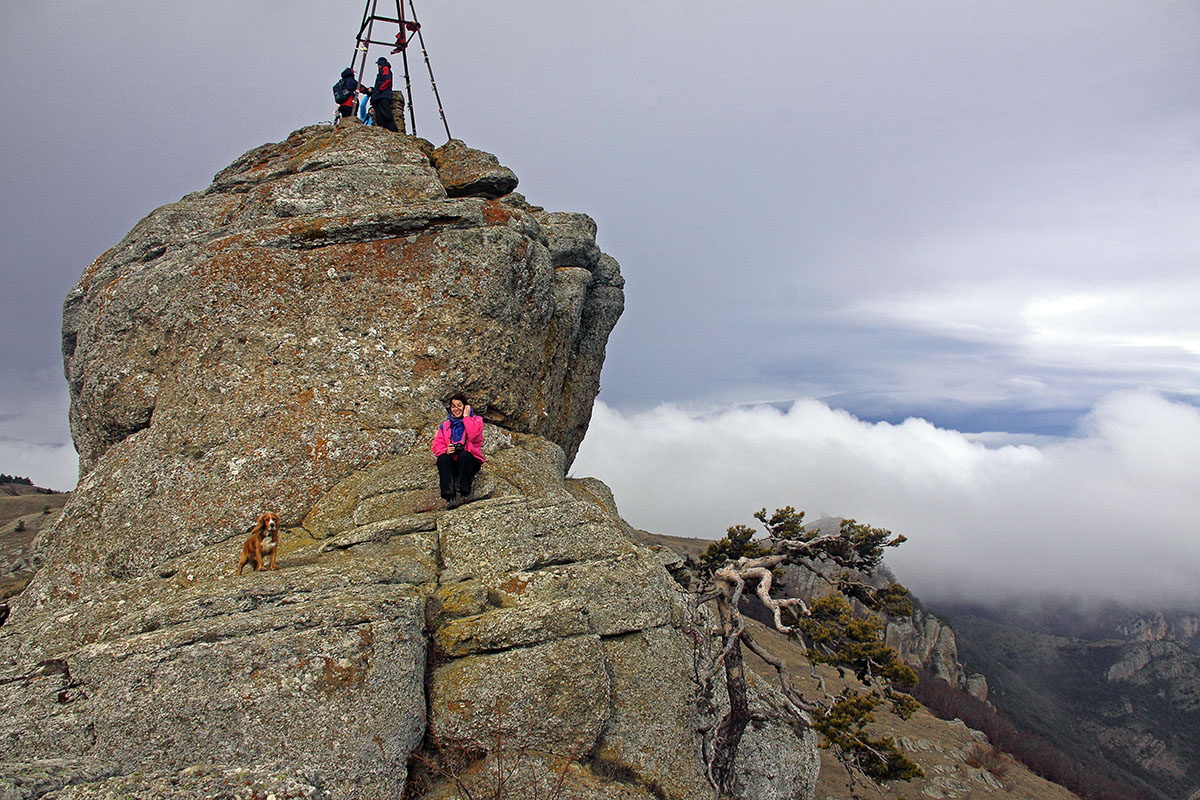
pixel 1108 514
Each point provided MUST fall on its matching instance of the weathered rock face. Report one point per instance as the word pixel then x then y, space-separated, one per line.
pixel 285 340
pixel 928 644
pixel 923 641
pixel 251 345
pixel 1157 626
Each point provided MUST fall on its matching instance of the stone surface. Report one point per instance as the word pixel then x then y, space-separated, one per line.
pixel 211 783
pixel 187 672
pixel 646 668
pixel 776 761
pixel 472 173
pixel 926 643
pixel 285 340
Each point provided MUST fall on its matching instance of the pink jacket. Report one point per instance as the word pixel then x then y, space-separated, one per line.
pixel 472 427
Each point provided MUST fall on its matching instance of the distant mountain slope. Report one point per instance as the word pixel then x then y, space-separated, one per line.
pixel 958 763
pixel 1124 701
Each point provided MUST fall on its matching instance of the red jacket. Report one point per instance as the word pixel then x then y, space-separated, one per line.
pixel 472 427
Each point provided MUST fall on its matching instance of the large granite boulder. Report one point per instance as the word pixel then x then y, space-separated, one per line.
pixel 285 340
pixel 304 317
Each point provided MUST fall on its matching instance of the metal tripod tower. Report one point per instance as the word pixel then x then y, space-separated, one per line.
pixel 407 24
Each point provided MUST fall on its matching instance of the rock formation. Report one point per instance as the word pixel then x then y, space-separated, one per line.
pixel 286 340
pixel 924 642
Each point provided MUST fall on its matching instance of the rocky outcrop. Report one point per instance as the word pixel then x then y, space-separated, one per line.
pixel 927 644
pixel 1159 626
pixel 306 316
pixel 531 618
pixel 465 172
pixel 923 641
pixel 285 340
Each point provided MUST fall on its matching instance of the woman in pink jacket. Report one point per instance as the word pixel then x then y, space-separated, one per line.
pixel 458 445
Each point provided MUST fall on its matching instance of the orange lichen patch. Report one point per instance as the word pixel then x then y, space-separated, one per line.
pixel 386 263
pixel 339 675
pixel 461 708
pixel 521 250
pixel 427 365
pixel 420 257
pixel 514 585
pixel 236 263
pixel 496 213
pixel 288 155
pixel 304 230
pixel 384 258
pixel 319 448
pixel 295 158
pixel 304 398
pixel 91 269
pixel 105 294
pixel 228 210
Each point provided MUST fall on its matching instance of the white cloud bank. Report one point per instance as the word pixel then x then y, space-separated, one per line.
pixel 1113 513
pixel 35 437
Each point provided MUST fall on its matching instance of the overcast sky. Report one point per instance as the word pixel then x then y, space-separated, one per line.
pixel 831 216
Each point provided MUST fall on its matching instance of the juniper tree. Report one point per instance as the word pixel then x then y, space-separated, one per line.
pixel 828 631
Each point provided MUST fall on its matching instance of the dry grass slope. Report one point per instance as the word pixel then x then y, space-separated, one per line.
pixel 24 511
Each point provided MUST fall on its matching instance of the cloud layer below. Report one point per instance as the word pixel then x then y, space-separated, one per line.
pixel 1108 514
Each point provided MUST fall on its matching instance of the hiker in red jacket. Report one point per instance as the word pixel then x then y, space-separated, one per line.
pixel 458 445
pixel 381 95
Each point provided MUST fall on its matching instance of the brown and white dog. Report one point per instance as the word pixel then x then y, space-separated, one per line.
pixel 263 541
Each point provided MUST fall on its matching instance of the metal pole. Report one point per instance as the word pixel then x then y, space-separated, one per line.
pixel 412 117
pixel 428 66
pixel 358 41
pixel 370 23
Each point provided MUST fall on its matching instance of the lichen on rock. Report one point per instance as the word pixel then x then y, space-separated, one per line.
pixel 285 340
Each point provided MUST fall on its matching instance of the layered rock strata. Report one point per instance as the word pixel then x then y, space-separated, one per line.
pixel 285 340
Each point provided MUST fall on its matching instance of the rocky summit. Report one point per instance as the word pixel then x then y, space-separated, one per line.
pixel 286 340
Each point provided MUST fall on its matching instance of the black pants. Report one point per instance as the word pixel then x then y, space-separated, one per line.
pixel 383 113
pixel 346 111
pixel 456 471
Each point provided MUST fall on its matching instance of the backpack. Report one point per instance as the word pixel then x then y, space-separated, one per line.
pixel 340 93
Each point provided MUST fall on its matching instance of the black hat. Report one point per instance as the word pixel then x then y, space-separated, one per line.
pixel 382 60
